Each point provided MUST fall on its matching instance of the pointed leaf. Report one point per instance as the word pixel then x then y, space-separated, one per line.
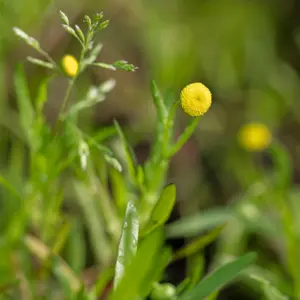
pixel 199 243
pixel 24 103
pixel 130 158
pixel 128 243
pixel 142 265
pixel 40 62
pixel 159 102
pixel 163 208
pixel 270 291
pixel 196 224
pixel 183 138
pixel 220 277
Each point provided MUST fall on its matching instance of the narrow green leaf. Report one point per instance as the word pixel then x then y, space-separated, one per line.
pixel 159 102
pixel 41 97
pixel 156 272
pixel 84 104
pixel 119 190
pixel 9 187
pixel 195 267
pixel 40 62
pixel 93 55
pixel 27 39
pixel 128 243
pixel 199 243
pixel 75 249
pixel 101 283
pixel 219 277
pixel 270 291
pixel 183 138
pixel 183 285
pixel 130 158
pixel 163 208
pixel 104 65
pixel 198 223
pixel 26 111
pixel 283 164
pixel 104 133
pixel 145 260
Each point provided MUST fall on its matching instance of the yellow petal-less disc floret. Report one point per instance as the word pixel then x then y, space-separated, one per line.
pixel 195 99
pixel 70 65
pixel 254 136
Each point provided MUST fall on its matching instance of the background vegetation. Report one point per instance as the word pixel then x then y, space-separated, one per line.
pixel 246 52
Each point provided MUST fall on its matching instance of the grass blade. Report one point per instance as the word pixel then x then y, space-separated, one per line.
pixel 219 278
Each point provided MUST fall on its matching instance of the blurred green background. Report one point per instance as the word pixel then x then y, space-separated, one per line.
pixel 246 51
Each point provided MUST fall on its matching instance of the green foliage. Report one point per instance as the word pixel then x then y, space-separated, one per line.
pixel 75 193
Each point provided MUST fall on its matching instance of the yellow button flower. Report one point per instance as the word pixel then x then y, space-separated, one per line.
pixel 195 99
pixel 70 65
pixel 255 136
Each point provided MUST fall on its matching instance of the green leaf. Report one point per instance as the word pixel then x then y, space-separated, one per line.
pixel 40 62
pixel 283 164
pixel 199 243
pixel 119 190
pixel 26 111
pixel 75 249
pixel 128 243
pixel 142 265
pixel 183 285
pixel 27 39
pixel 93 55
pixel 220 277
pixel 163 207
pixel 94 96
pixel 105 66
pixel 41 97
pixel 195 267
pixel 198 223
pixel 130 158
pixel 101 283
pixel 270 291
pixel 159 102
pixel 183 138
pixel 156 272
pixel 10 188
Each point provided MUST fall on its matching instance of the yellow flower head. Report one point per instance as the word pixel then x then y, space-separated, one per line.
pixel 70 65
pixel 195 99
pixel 255 136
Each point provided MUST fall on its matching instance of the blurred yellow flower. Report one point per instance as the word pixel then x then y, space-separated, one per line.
pixel 255 136
pixel 195 99
pixel 70 65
